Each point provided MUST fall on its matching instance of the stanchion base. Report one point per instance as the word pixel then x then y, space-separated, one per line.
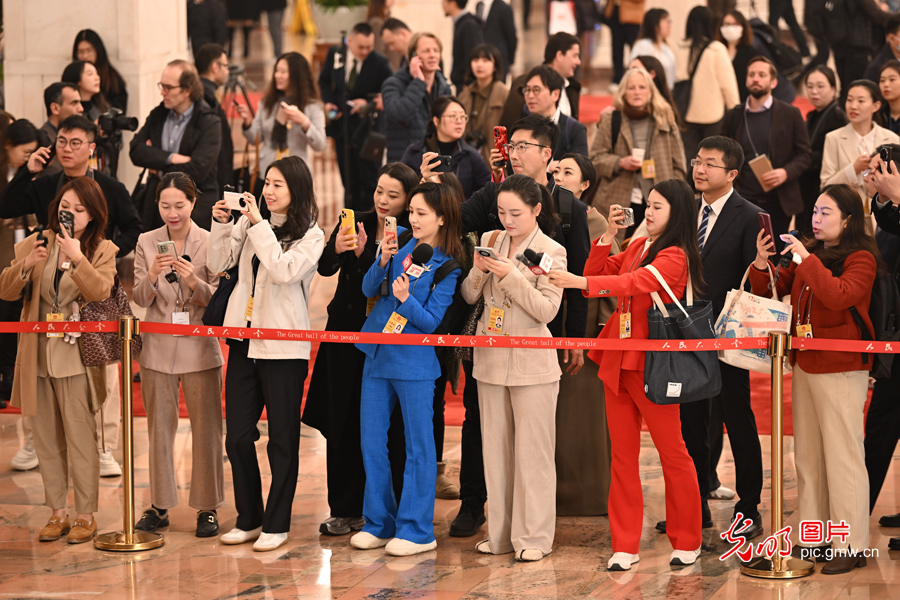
pixel 791 568
pixel 120 541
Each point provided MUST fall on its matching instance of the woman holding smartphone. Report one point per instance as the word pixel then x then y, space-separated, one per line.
pixel 414 303
pixel 276 246
pixel 671 248
pixel 51 383
pixel 177 290
pixel 332 402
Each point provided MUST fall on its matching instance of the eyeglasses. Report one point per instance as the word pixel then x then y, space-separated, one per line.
pixel 696 162
pixel 458 117
pixel 223 64
pixel 73 144
pixel 520 147
pixel 536 90
pixel 166 88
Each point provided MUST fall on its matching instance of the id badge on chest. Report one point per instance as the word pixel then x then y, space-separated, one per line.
pixel 180 318
pixel 55 318
pixel 804 331
pixel 395 324
pixel 648 169
pixel 248 312
pixel 370 304
pixel 624 326
pixel 495 321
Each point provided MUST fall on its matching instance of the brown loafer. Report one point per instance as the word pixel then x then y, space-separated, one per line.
pixel 82 531
pixel 844 564
pixel 54 529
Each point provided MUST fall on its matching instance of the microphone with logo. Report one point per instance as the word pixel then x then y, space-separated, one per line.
pixel 537 262
pixel 415 261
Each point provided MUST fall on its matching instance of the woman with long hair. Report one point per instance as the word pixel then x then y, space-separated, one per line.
pixel 484 98
pixel 290 118
pixel 889 84
pixel 332 403
pixel 176 289
pixel 414 302
pixel 658 74
pixel 276 245
pixel 671 249
pixel 89 47
pixel 737 36
pixel 653 40
pixel 51 386
pixel 86 76
pixel 830 293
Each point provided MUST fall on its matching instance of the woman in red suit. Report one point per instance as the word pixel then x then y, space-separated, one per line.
pixel 671 218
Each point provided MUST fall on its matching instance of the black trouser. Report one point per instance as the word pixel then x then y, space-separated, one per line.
pixel 882 431
pixel 695 431
pixel 779 9
pixel 250 386
pixel 360 177
pixel 622 34
pixel 471 469
pixel 716 437
pixel 850 64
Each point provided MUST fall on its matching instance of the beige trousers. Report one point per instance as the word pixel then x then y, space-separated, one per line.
pixel 109 418
pixel 828 451
pixel 64 432
pixel 518 432
pixel 203 396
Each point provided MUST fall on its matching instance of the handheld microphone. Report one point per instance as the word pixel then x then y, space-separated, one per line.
pixel 414 263
pixel 538 262
pixel 41 238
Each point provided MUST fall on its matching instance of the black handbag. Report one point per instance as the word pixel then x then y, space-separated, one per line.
pixel 214 315
pixel 681 91
pixel 680 376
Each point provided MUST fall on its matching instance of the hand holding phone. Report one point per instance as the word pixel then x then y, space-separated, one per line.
pixel 442 164
pixel 486 252
pixel 765 224
pixel 500 141
pixel 235 201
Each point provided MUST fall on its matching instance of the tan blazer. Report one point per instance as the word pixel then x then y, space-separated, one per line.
pixel 166 353
pixel 489 116
pixel 94 279
pixel 534 302
pixel 841 150
pixel 715 87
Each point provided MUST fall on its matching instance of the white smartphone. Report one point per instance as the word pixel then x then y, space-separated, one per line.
pixel 486 252
pixel 235 201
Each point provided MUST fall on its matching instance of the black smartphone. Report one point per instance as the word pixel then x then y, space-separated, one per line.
pixel 52 155
pixel 41 239
pixel 67 220
pixel 442 164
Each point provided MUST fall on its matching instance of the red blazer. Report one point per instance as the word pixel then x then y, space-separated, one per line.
pixel 829 314
pixel 610 276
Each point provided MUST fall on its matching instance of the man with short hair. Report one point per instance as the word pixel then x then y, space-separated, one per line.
pixel 767 128
pixel 212 64
pixel 542 92
pixel 499 29
pixel 890 50
pixel 61 100
pixel 563 54
pixel 353 74
pixel 396 36
pixel 182 134
pixel 466 35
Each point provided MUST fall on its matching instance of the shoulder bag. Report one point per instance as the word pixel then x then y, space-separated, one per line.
pixel 681 92
pixel 100 349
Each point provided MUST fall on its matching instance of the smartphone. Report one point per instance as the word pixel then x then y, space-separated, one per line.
pixel 390 230
pixel 486 252
pixel 348 219
pixel 500 145
pixel 52 155
pixel 67 220
pixel 442 164
pixel 166 248
pixel 889 152
pixel 235 201
pixel 332 114
pixel 628 217
pixel 765 223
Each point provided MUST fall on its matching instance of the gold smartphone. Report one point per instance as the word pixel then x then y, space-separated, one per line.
pixel 348 218
pixel 390 230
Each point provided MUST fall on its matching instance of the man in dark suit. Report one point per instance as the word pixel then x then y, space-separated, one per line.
pixel 211 61
pixel 542 92
pixel 499 28
pixel 354 74
pixel 766 126
pixel 466 35
pixel 727 230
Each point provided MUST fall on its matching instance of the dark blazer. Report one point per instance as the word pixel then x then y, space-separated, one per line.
pixel 500 30
pixel 225 167
pixel 572 137
pixel 514 109
pixel 372 73
pixel 202 140
pixel 788 146
pixel 884 55
pixel 25 195
pixel 466 35
pixel 465 162
pixel 729 249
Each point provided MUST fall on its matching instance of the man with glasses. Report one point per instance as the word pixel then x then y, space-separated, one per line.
pixel 211 61
pixel 61 100
pixel 542 91
pixel 182 134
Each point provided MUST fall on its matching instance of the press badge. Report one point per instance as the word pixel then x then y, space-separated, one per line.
pixel 804 331
pixel 395 324
pixel 180 318
pixel 370 304
pixel 55 318
pixel 648 169
pixel 624 326
pixel 495 321
pixel 248 312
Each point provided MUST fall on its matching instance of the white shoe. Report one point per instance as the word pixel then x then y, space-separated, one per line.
pixel 484 546
pixel 398 547
pixel 622 561
pixel 26 458
pixel 529 555
pixel 239 536
pixel 684 557
pixel 366 541
pixel 108 465
pixel 269 541
pixel 722 493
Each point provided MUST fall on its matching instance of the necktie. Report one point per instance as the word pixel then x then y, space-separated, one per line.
pixel 479 10
pixel 701 233
pixel 354 73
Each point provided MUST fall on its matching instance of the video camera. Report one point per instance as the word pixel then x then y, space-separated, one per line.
pixel 114 122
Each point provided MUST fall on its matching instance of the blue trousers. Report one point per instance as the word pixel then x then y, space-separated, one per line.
pixel 412 519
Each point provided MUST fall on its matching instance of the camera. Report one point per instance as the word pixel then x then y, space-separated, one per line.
pixel 114 121
pixel 888 153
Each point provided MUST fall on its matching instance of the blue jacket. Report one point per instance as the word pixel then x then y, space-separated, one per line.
pixel 424 308
pixel 407 110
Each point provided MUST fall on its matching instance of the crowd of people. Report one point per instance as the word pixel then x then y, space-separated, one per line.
pixel 665 198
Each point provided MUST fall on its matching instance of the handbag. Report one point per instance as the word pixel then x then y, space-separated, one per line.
pixel 100 349
pixel 681 91
pixel 746 315
pixel 681 376
pixel 214 315
pixel 469 328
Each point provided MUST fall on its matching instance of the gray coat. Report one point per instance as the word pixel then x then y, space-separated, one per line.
pixel 407 109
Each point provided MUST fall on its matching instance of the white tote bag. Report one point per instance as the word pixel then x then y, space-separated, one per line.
pixel 562 17
pixel 746 315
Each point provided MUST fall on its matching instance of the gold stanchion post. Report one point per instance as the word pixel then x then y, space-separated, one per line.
pixel 778 567
pixel 128 539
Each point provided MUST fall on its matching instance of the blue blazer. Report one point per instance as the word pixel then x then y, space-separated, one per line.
pixel 424 308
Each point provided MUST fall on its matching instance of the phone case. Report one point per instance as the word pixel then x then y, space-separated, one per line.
pixel 348 218
pixel 500 141
pixel 390 229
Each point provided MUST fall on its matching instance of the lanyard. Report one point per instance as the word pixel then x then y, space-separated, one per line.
pixel 749 135
pixel 808 305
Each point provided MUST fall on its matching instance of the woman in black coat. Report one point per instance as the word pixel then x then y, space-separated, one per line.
pixel 332 403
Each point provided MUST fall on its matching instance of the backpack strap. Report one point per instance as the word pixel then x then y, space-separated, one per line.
pixel 444 270
pixel 616 127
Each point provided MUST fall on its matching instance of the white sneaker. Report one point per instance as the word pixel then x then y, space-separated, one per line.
pixel 684 557
pixel 239 536
pixel 269 541
pixel 108 465
pixel 366 541
pixel 622 561
pixel 26 458
pixel 722 493
pixel 398 547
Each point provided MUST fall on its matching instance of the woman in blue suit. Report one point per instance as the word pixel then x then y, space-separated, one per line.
pixel 413 304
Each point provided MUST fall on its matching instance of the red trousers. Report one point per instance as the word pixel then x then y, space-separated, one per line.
pixel 626 502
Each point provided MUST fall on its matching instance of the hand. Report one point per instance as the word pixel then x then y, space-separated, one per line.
pixel 795 246
pixel 564 279
pixel 497 172
pixel 616 214
pixel 629 163
pixel 333 107
pixel 244 112
pixel 861 163
pixel 357 103
pixel 250 210
pixel 765 248
pixel 295 115
pixel 38 253
pixel 774 178
pixel 71 247
pixel 379 103
pixel 160 263
pixel 478 263
pixel 425 169
pixel 415 68
pixel 220 212
pixel 186 271
pixel 180 159
pixel 499 267
pixel 38 160
pixel 401 288
pixel 345 240
pixel 577 357
pixel 361 239
pixel 887 184
pixel 388 250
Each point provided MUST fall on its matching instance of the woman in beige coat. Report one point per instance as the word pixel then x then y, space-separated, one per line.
pixel 518 387
pixel 484 98
pixel 177 291
pixel 51 383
